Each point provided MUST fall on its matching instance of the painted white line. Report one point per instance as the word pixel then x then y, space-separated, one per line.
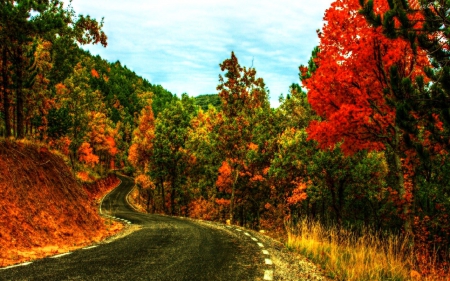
pixel 17 265
pixel 268 261
pixel 91 247
pixel 260 244
pixel 61 255
pixel 254 239
pixel 268 274
pixel 246 234
pixel 237 229
pixel 265 252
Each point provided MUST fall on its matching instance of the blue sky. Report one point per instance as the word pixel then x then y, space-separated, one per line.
pixel 179 44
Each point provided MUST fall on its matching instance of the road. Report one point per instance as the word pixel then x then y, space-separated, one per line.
pixel 165 248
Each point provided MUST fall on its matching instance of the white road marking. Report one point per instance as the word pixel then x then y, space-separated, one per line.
pixel 254 239
pixel 91 247
pixel 247 234
pixel 268 274
pixel 17 265
pixel 61 255
pixel 265 252
pixel 237 229
pixel 260 244
pixel 268 261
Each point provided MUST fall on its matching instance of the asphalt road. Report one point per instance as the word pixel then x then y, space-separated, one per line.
pixel 165 248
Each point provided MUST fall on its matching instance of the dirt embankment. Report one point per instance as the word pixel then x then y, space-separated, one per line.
pixel 43 209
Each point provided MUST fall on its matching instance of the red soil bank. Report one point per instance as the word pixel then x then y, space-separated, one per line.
pixel 43 209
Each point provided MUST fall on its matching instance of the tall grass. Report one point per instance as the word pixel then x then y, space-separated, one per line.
pixel 347 256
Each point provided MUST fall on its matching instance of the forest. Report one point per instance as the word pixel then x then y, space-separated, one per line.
pixel 356 153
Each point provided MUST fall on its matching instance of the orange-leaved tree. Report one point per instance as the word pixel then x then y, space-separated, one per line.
pixel 242 95
pixel 354 84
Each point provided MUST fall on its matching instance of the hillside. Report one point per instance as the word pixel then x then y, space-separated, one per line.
pixel 44 210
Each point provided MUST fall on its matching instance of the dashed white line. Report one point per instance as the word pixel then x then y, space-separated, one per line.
pixel 61 255
pixel 237 229
pixel 265 252
pixel 17 265
pixel 268 275
pixel 260 244
pixel 268 261
pixel 246 234
pixel 91 247
pixel 254 239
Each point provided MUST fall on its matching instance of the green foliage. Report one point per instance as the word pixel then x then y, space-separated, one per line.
pixel 204 101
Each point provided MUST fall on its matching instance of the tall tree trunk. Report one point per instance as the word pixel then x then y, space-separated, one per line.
pixel 19 94
pixel 163 195
pixel 6 103
pixel 173 194
pixel 233 188
pixel 398 170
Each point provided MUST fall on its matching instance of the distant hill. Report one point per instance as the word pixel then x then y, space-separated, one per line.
pixel 205 100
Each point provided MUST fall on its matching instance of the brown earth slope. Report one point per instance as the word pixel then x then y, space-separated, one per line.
pixel 43 209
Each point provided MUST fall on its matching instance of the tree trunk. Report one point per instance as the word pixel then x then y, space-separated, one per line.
pixel 163 199
pixel 6 103
pixel 233 188
pixel 19 94
pixel 398 170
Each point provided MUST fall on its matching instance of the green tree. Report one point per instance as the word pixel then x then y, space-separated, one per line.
pixel 20 30
pixel 168 165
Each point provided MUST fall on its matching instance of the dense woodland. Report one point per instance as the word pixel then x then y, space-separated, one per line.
pixel 361 141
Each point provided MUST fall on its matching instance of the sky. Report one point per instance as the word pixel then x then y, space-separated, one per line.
pixel 179 44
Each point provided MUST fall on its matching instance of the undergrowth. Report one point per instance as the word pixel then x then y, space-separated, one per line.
pixel 347 256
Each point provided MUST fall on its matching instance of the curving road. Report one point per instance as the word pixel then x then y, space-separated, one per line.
pixel 165 248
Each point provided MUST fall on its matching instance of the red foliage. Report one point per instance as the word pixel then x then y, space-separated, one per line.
pixel 347 88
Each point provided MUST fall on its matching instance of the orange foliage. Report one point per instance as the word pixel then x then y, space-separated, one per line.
pixel 252 146
pixel 145 181
pixel 224 181
pixel 298 194
pixel 111 144
pixel 84 176
pixel 202 209
pixel 86 155
pixel 94 73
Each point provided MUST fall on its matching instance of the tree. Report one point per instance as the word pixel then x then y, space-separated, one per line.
pixel 242 94
pixel 168 165
pixel 76 96
pixel 353 89
pixel 18 33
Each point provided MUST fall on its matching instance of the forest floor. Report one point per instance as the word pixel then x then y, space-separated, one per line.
pixel 43 209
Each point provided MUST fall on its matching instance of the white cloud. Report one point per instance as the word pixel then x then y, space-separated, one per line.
pixel 179 44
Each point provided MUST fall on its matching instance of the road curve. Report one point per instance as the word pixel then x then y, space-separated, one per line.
pixel 165 248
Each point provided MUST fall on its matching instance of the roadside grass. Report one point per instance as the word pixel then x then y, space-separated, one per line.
pixel 346 256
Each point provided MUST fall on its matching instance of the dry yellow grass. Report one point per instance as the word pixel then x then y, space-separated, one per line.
pixel 345 256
